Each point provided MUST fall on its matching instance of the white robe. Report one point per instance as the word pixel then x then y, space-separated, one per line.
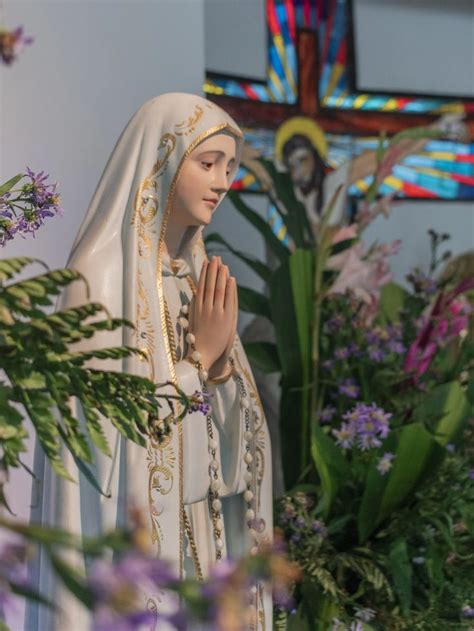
pixel 119 250
pixel 82 510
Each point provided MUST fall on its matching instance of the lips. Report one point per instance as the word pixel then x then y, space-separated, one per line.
pixel 212 201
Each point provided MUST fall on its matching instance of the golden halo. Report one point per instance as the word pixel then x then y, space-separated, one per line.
pixel 303 126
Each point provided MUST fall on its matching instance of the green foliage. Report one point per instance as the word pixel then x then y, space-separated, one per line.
pixel 415 452
pixel 263 355
pixel 332 468
pixel 291 293
pixel 261 225
pixel 53 385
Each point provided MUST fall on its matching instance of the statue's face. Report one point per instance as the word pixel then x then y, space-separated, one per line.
pixel 203 181
pixel 301 165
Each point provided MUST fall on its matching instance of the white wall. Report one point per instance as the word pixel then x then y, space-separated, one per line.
pixel 236 37
pixel 388 52
pixel 410 221
pixel 65 102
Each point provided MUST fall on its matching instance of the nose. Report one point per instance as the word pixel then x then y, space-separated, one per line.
pixel 220 183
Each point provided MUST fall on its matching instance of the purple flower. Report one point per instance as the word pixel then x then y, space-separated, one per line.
pixel 13 554
pixel 11 44
pixel 342 353
pixel 377 335
pixel 354 349
pixel 467 611
pixel 422 284
pixel 368 441
pixel 385 463
pixel 200 403
pixel 35 201
pixel 327 414
pixel 366 425
pixel 471 474
pixel 318 527
pixel 365 614
pixel 106 619
pixel 117 589
pixel 376 353
pixel 299 522
pixel 396 347
pixel 345 436
pixel 334 323
pixel 349 388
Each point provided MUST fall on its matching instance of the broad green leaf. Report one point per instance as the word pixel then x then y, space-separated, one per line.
pixel 252 301
pixel 416 454
pixel 262 270
pixel 332 467
pixel 7 186
pixel 263 355
pixel 277 247
pixel 392 299
pixel 291 293
pixel 449 403
pixel 400 568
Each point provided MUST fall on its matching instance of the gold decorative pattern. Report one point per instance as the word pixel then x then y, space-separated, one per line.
pixel 189 125
pixel 146 202
pixel 165 460
pixel 170 331
pixel 144 332
pixel 192 544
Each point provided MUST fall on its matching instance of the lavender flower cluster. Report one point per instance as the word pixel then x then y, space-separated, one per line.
pixel 378 344
pixel 297 520
pixel 13 555
pixel 200 402
pixel 365 426
pixel 222 601
pixel 23 210
pixel 423 285
pixel 11 44
pixel 383 341
pixel 117 589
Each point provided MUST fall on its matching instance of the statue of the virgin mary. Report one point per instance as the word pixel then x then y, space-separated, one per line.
pixel 206 490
